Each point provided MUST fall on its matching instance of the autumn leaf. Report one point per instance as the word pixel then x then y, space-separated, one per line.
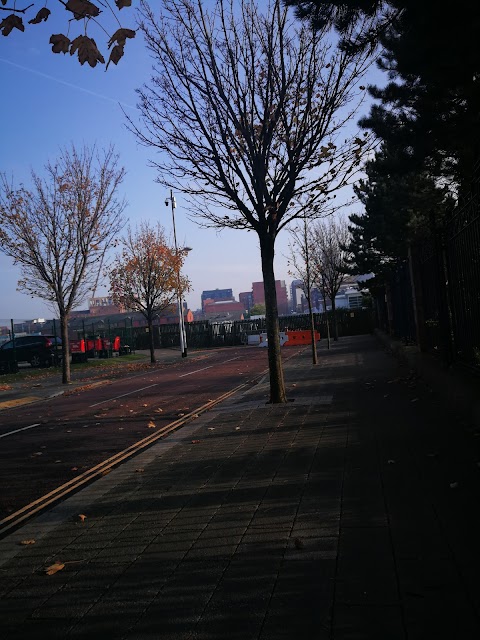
pixel 54 568
pixel 60 43
pixel 139 470
pixel 74 469
pixel 42 16
pixel 82 517
pixel 11 22
pixel 82 9
pixel 87 50
pixel 120 36
pixel 151 425
pixel 195 441
pixel 27 542
pixel 123 3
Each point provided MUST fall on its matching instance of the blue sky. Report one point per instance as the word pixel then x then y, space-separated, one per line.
pixel 49 100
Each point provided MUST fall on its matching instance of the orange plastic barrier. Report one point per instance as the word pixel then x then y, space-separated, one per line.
pixel 300 337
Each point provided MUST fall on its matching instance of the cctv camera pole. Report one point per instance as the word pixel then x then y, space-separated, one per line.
pixel 181 325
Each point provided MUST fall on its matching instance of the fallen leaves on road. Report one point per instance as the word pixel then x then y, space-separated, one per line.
pixel 211 428
pixel 180 415
pixel 195 441
pixel 237 428
pixel 151 425
pixel 74 469
pixel 54 568
pixel 27 542
pixel 158 410
pixel 391 462
pixel 82 517
pixel 5 387
pixel 139 470
pixel 454 485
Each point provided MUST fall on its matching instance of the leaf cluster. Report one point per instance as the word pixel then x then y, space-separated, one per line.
pixel 82 44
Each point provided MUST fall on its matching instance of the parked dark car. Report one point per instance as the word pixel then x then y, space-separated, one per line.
pixel 39 351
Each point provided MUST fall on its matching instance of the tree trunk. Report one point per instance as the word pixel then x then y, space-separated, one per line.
pixel 335 322
pixel 65 348
pixel 277 384
pixel 151 340
pixel 312 331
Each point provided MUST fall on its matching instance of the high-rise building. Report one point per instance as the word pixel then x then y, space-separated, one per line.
pixel 297 295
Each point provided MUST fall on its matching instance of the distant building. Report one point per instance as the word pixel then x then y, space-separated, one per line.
pixel 297 296
pixel 230 309
pixel 103 306
pixel 217 295
pixel 246 298
pixel 282 296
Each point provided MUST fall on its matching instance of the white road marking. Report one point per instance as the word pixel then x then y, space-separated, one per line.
pixel 196 371
pixel 10 433
pixel 204 368
pixel 125 394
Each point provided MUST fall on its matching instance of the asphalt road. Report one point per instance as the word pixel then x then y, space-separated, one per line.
pixel 45 444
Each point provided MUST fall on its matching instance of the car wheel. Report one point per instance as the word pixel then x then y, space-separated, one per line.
pixel 35 361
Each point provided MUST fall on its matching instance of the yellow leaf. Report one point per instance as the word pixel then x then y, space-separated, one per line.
pixel 58 566
pixel 151 425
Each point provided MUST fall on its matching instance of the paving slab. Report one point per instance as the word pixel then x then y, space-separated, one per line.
pixel 350 512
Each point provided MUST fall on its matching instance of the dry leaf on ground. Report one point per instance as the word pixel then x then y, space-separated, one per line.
pixel 26 542
pixel 195 441
pixel 82 517
pixel 52 569
pixel 151 425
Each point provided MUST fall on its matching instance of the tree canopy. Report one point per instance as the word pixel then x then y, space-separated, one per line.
pixel 60 229
pixel 147 274
pixel 248 108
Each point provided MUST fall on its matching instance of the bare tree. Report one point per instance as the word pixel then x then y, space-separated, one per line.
pixel 84 12
pixel 248 107
pixel 59 231
pixel 329 258
pixel 147 275
pixel 301 267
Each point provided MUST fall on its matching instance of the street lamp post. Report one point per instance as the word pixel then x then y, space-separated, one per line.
pixel 181 320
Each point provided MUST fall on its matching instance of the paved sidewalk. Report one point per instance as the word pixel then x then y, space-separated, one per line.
pixel 349 513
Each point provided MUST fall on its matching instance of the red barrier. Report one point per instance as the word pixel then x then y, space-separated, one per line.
pixel 300 337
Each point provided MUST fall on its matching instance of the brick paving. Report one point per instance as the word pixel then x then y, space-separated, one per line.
pixel 349 513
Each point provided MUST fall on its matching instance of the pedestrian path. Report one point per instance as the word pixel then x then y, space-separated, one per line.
pixel 351 512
